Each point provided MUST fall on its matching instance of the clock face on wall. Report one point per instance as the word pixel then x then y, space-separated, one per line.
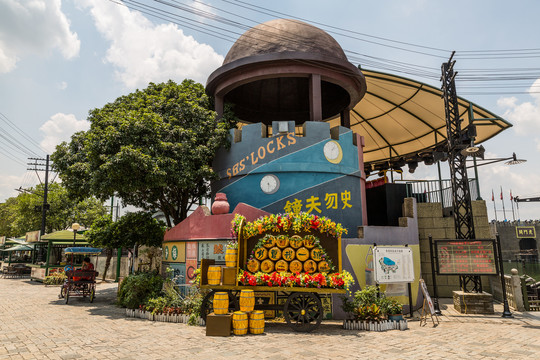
pixel 333 152
pixel 269 184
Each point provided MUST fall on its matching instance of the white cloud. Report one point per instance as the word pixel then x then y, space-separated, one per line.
pixel 143 52
pixel 33 27
pixel 62 85
pixel 524 116
pixel 8 184
pixel 60 128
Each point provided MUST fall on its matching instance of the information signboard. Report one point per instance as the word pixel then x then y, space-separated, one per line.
pixel 525 232
pixel 466 257
pixel 393 264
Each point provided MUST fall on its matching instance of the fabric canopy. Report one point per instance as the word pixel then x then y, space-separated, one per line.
pixel 83 250
pixel 19 248
pixel 400 117
pixel 63 235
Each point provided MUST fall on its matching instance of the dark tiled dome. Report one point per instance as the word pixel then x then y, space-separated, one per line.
pixel 281 36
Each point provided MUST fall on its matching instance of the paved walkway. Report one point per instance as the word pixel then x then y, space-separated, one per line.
pixel 34 324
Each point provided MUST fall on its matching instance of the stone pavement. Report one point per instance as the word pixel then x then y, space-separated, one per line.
pixel 35 324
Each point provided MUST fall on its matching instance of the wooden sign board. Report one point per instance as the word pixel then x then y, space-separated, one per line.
pixel 465 257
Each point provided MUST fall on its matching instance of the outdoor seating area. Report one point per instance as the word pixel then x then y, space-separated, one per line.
pixel 16 271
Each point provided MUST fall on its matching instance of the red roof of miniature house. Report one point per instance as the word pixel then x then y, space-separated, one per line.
pixel 202 225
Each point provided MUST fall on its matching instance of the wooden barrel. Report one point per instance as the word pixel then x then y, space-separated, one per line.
pixel 230 257
pixel 288 254
pixel 221 303
pixel 282 241
pixel 295 266
pixel 323 266
pixel 253 265
pixel 261 254
pixel 274 254
pixel 214 275
pixel 247 300
pixel 302 254
pixel 240 323
pixel 310 266
pixel 296 241
pixel 269 241
pixel 317 254
pixel 282 266
pixel 256 322
pixel 267 266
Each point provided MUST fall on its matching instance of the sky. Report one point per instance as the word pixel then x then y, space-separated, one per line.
pixel 61 58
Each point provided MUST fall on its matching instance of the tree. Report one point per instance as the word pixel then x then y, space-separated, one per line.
pixel 152 148
pixel 21 214
pixel 130 231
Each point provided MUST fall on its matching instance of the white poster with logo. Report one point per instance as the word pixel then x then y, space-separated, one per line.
pixel 393 264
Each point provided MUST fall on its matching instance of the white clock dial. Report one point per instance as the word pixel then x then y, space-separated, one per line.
pixel 332 152
pixel 269 184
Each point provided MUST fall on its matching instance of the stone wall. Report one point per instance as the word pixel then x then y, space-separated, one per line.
pixel 431 221
pixel 509 241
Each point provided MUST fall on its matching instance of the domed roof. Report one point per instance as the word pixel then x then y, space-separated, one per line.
pixel 284 35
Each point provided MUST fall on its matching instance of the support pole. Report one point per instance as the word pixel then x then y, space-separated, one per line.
pixel 434 278
pixel 409 291
pixel 506 312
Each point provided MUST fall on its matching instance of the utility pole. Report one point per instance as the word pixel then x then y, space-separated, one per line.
pixel 45 206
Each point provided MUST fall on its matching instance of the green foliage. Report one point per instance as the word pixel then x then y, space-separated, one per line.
pixel 370 313
pixel 132 228
pixel 367 304
pixel 138 288
pixel 153 148
pixel 56 278
pixel 18 215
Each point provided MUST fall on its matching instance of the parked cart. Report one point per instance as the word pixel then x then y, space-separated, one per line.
pixel 302 307
pixel 81 283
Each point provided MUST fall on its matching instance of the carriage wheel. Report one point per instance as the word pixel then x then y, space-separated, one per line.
pixel 303 311
pixel 208 303
pixel 63 291
pixel 92 294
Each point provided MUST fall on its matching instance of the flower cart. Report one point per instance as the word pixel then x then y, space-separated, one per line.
pixel 295 256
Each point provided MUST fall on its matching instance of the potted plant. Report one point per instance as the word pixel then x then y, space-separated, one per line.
pixel 394 310
pixel 231 253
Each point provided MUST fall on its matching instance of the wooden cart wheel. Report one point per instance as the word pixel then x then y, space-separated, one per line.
pixel 208 303
pixel 303 311
pixel 92 294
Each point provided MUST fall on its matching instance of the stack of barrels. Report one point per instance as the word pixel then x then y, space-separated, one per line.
pixel 217 275
pixel 247 318
pixel 289 254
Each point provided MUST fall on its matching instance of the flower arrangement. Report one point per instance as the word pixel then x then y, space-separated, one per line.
pixel 232 244
pixel 284 279
pixel 297 222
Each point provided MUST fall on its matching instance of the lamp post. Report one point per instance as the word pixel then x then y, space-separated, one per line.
pixel 512 160
pixel 75 227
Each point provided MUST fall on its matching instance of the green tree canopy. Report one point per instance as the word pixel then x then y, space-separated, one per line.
pixel 135 228
pixel 21 214
pixel 152 148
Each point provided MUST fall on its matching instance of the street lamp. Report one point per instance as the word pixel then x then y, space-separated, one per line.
pixel 512 160
pixel 75 227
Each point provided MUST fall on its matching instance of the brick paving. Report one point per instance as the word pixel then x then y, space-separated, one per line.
pixel 35 324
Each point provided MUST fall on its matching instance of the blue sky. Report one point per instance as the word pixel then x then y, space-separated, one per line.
pixel 59 59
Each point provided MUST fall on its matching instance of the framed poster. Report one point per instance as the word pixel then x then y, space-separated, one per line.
pixel 465 257
pixel 174 251
pixel 393 264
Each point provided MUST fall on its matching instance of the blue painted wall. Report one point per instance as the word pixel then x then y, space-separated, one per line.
pixel 307 180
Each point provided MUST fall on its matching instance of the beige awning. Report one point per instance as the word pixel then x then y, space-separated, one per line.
pixel 400 117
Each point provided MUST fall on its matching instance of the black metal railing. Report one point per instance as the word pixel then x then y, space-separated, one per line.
pixel 435 191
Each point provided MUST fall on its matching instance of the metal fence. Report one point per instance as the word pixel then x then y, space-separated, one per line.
pixel 435 191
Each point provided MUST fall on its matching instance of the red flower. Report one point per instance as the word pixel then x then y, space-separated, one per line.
pixel 269 283
pixel 252 281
